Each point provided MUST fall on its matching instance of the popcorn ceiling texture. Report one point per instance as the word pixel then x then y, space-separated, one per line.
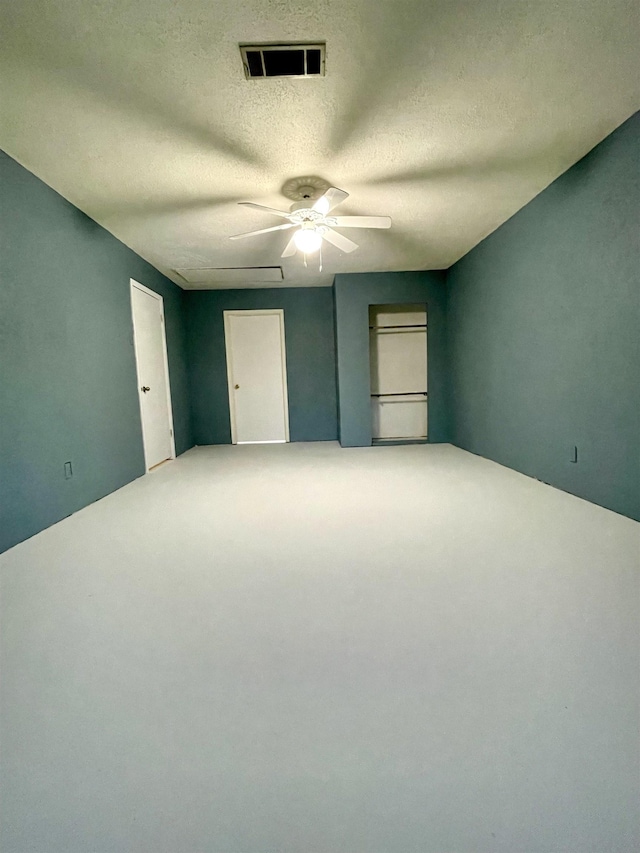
pixel 447 115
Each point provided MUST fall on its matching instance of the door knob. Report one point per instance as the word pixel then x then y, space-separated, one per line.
pixel 236 387
pixel 145 388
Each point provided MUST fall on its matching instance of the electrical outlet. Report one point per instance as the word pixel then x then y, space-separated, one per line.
pixel 68 471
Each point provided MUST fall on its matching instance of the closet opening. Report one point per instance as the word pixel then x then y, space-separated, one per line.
pixel 398 359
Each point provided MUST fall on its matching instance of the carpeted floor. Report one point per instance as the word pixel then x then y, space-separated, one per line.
pixel 307 649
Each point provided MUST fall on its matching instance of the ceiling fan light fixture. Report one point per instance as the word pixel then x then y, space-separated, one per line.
pixel 308 240
pixel 308 215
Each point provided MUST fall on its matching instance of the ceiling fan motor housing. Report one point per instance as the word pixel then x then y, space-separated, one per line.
pixel 301 205
pixel 304 216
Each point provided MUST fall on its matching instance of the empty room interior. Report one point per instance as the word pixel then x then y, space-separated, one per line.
pixel 320 426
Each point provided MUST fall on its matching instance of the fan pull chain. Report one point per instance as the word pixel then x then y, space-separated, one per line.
pixel 320 250
pixel 305 258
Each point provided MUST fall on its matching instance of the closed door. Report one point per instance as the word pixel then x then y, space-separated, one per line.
pixel 256 371
pixel 153 375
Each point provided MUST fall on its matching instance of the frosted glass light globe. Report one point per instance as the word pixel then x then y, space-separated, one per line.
pixel 307 240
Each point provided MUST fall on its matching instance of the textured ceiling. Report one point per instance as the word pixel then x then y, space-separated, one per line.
pixel 447 115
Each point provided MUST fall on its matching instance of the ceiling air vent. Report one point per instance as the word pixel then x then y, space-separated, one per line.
pixel 282 60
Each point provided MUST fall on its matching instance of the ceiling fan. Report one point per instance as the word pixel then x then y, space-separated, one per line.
pixel 310 217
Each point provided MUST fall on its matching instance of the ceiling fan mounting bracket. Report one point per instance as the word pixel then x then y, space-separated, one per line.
pixel 308 187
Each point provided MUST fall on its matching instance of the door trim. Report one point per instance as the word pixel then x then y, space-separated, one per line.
pixel 279 312
pixel 136 284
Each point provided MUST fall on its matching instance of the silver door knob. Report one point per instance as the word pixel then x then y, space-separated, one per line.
pixel 145 388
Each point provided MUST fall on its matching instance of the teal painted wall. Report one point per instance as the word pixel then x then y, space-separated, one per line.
pixel 310 348
pixel 354 292
pixel 544 319
pixel 68 387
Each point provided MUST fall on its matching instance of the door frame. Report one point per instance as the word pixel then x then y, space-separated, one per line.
pixel 279 312
pixel 136 284
pixel 421 308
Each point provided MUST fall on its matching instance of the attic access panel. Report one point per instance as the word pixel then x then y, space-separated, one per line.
pixel 262 61
pixel 230 275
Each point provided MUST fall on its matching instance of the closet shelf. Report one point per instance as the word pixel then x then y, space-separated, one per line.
pixel 402 326
pixel 403 394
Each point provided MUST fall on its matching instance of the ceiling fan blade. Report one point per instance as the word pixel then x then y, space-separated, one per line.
pixel 262 231
pixel 283 213
pixel 339 240
pixel 290 249
pixel 329 200
pixel 363 221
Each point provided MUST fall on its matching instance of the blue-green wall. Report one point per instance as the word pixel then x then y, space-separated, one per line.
pixel 544 320
pixel 310 348
pixel 68 387
pixel 354 293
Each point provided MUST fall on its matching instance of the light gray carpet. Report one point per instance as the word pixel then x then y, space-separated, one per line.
pixel 307 649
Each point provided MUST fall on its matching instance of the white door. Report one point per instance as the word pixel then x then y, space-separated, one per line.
pixel 153 375
pixel 257 375
pixel 398 349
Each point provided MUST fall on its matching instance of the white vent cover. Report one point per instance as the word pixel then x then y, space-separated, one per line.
pixel 262 61
pixel 230 275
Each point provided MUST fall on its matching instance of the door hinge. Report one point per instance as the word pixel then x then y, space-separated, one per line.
pixel 170 432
